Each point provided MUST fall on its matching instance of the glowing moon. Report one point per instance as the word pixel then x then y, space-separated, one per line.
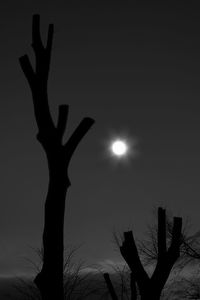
pixel 119 148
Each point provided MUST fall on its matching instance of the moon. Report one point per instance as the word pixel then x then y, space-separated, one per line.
pixel 119 148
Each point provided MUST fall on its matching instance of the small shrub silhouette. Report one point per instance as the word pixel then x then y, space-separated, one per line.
pixel 78 284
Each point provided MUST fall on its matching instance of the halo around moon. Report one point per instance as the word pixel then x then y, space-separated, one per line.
pixel 121 148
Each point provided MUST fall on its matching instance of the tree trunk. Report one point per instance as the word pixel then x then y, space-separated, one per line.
pixel 149 296
pixel 52 271
pixel 150 292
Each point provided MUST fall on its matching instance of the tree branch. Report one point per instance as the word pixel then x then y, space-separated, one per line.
pixel 38 79
pixel 161 239
pixel 176 237
pixel 28 70
pixel 77 136
pixel 62 119
pixel 130 254
pixel 110 286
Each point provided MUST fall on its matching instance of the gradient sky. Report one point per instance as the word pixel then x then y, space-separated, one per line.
pixel 133 66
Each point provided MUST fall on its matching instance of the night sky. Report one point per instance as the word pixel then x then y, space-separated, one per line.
pixel 133 66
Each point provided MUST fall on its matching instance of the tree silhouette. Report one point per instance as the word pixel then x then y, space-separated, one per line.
pixel 110 286
pixel 151 287
pixel 50 279
pixel 189 248
pixel 127 286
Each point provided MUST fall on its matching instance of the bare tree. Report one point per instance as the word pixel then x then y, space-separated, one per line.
pixel 189 248
pixel 50 279
pixel 150 287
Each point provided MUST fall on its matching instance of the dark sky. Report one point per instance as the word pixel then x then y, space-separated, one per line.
pixel 133 66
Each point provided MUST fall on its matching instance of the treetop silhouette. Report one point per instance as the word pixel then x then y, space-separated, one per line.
pixel 150 287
